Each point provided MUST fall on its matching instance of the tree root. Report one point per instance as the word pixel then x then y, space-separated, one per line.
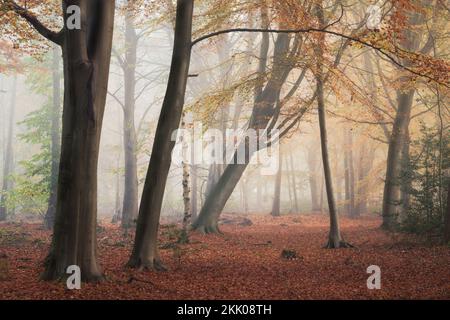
pixel 207 229
pixel 148 265
pixel 339 245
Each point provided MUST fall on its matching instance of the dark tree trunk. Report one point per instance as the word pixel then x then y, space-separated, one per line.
pixel 130 200
pixel 9 153
pixel 145 250
pixel 49 219
pixel 86 56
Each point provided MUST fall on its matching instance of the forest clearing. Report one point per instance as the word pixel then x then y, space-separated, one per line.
pixel 244 263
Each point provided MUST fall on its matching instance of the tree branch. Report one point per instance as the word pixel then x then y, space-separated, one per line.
pixel 55 37
pixel 321 30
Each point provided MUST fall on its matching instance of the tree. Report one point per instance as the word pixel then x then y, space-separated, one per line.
pixel 447 216
pixel 277 195
pixel 86 57
pixel 313 176
pixel 392 196
pixel 9 155
pixel 335 239
pixel 263 111
pixel 145 250
pixel 49 219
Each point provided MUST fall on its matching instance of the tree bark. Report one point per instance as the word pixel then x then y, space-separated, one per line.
pixel 49 219
pixel 392 196
pixel 131 188
pixel 335 239
pixel 145 253
pixel 86 56
pixel 9 153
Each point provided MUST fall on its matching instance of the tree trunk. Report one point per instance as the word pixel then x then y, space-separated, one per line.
pixel 86 56
pixel 49 219
pixel 362 183
pixel 294 183
pixel 186 190
pixel 313 183
pixel 447 217
pixel 277 196
pixel 392 196
pixel 130 200
pixel 145 250
pixel 351 175
pixel 9 156
pixel 207 221
pixel 392 200
pixel 404 179
pixel 194 191
pixel 335 239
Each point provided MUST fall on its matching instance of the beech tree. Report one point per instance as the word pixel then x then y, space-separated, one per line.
pixel 86 50
pixel 145 253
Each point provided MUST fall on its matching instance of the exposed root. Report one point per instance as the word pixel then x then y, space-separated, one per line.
pixel 147 265
pixel 338 245
pixel 207 229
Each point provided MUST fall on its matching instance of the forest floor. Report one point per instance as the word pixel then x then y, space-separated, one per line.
pixel 244 263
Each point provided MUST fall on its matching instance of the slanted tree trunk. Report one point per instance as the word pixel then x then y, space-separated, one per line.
pixel 9 153
pixel 49 219
pixel 207 221
pixel 86 56
pixel 130 200
pixel 145 250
